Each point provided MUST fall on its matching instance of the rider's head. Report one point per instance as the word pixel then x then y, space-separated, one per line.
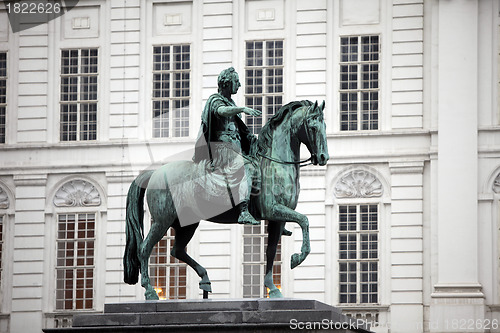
pixel 228 78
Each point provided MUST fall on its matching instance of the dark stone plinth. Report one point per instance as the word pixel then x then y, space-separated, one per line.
pixel 215 315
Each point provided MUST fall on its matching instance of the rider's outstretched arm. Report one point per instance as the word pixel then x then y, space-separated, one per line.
pixel 229 111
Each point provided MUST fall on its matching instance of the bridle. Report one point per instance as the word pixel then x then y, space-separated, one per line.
pixel 301 163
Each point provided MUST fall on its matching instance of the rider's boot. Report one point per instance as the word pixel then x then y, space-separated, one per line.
pixel 245 216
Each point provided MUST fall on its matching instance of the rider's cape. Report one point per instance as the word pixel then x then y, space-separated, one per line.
pixel 211 123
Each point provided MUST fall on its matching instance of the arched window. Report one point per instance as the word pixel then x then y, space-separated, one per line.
pixel 77 202
pixel 358 215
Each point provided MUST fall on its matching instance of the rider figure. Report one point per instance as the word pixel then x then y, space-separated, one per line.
pixel 223 128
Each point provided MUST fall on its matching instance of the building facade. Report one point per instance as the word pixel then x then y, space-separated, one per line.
pixel 404 218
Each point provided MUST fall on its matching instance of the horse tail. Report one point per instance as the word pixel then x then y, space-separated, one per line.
pixel 134 228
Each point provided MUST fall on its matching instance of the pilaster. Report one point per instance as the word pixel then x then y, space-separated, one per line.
pixel 457 292
pixel 28 253
pixel 118 184
pixel 407 246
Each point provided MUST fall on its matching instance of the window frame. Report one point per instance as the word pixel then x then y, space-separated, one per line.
pixel 76 267
pixel 79 101
pixel 358 260
pixel 356 94
pixel 264 94
pixel 171 99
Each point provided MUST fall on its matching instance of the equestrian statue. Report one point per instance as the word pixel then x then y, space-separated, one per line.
pixel 234 177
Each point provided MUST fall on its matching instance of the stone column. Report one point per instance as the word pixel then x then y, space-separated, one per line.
pixel 457 294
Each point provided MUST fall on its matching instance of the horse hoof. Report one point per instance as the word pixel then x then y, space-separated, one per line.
pixel 286 232
pixel 295 260
pixel 276 293
pixel 206 286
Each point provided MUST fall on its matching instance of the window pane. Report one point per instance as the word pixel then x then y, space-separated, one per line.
pixel 348 49
pixel 161 119
pixel 181 118
pixel 370 48
pixel 68 121
pixel 88 121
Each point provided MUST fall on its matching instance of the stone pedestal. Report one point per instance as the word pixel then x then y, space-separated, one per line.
pixel 215 315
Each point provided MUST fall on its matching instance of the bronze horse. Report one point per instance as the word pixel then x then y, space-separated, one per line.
pixel 279 157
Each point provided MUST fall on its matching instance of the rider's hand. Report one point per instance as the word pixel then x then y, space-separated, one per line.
pixel 252 112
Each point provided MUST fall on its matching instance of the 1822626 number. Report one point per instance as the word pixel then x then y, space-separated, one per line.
pixel 33 7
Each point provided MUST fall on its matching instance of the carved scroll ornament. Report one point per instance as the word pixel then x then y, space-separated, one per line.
pixel 4 199
pixel 77 193
pixel 358 184
pixel 496 184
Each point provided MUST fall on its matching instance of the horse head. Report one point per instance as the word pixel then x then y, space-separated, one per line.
pixel 313 134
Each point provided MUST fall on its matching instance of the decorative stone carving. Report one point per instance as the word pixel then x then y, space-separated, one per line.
pixel 4 199
pixel 358 184
pixel 496 184
pixel 77 193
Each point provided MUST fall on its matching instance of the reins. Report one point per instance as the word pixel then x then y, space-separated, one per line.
pixel 301 163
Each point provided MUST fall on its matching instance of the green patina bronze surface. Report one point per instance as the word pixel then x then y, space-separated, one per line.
pixel 234 177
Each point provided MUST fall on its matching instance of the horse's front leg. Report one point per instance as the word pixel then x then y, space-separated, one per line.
pixel 274 230
pixel 283 213
pixel 182 238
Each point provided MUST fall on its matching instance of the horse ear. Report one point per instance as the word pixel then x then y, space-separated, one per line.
pixel 315 105
pixel 322 106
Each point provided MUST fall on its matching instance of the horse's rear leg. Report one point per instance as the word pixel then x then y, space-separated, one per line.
pixel 182 237
pixel 274 231
pixel 156 233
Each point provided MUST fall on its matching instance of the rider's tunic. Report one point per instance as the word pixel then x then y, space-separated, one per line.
pixel 225 143
pixel 216 129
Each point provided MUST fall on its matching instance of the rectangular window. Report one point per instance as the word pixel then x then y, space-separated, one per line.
pixel 171 90
pixel 168 275
pixel 75 262
pixel 263 80
pixel 3 95
pixel 358 254
pixel 359 83
pixel 254 262
pixel 79 73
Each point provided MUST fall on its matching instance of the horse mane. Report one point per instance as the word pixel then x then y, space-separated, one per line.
pixel 266 134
